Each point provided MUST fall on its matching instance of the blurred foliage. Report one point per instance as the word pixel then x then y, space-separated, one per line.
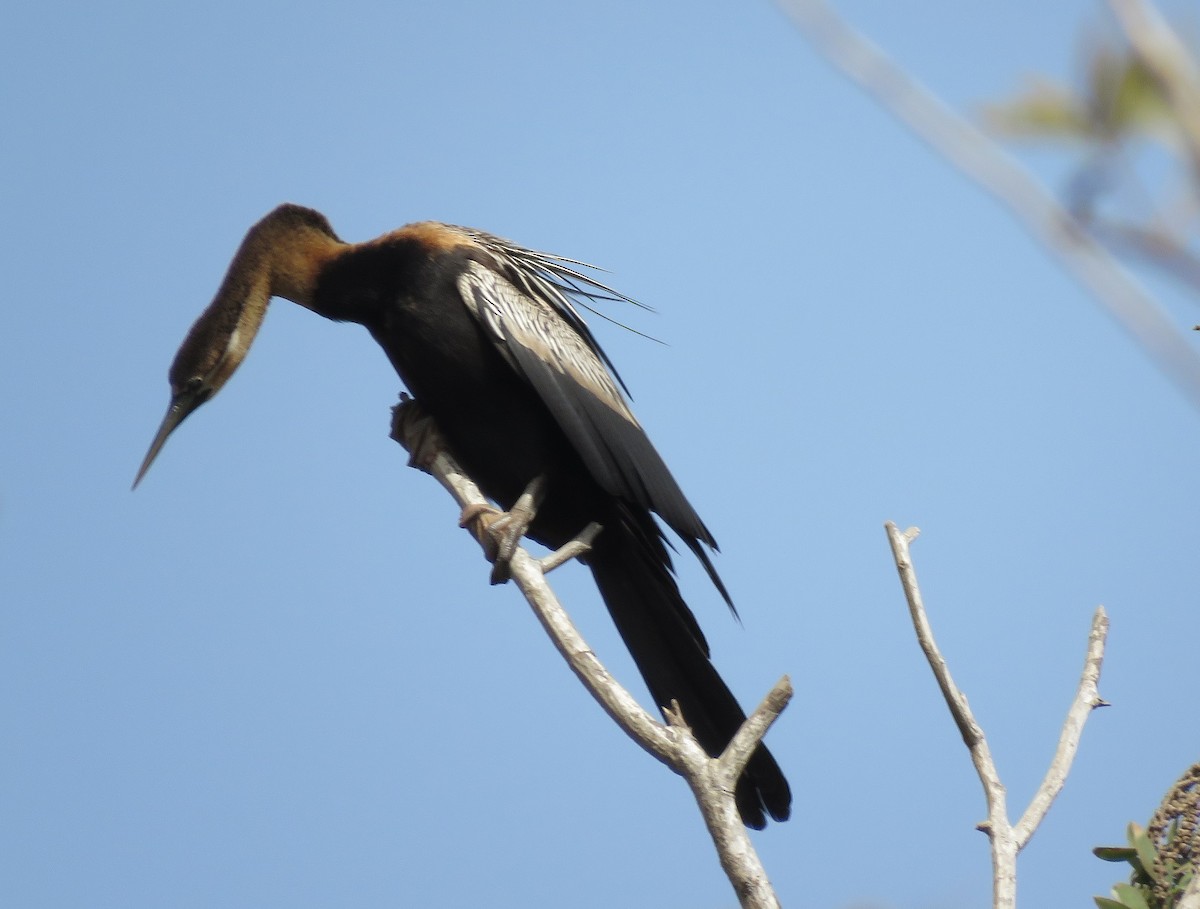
pixel 1119 99
pixel 1130 201
pixel 1164 856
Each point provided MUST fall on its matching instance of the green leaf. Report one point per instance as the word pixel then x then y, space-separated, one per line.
pixel 1042 110
pixel 1146 852
pixel 1131 896
pixel 1105 903
pixel 1114 853
pixel 1123 96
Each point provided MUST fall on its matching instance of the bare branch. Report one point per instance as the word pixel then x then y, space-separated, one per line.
pixel 573 550
pixel 712 780
pixel 739 750
pixel 997 827
pixel 999 174
pixel 1168 61
pixel 419 435
pixel 1087 699
pixel 1006 841
pixel 1155 246
pixel 955 700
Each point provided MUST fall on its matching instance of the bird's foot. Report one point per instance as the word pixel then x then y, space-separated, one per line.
pixel 417 432
pixel 500 532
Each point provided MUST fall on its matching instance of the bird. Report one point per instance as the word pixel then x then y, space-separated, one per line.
pixel 486 337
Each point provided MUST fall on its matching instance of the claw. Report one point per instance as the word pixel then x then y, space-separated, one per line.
pixel 410 424
pixel 501 531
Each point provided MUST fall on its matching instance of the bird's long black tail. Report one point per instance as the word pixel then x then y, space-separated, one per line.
pixel 630 564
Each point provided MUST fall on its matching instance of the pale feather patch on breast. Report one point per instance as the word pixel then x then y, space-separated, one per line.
pixel 513 317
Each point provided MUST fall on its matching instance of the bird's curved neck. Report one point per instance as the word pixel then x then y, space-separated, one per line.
pixel 278 258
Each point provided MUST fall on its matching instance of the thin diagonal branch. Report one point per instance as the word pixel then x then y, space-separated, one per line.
pixel 1006 841
pixel 712 780
pixel 1156 247
pixel 982 161
pixel 972 733
pixel 418 434
pixel 1168 61
pixel 742 746
pixel 997 827
pixel 1087 698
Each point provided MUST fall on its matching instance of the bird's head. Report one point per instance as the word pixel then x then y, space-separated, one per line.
pixel 282 256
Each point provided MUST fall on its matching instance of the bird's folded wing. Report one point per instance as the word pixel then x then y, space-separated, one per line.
pixel 569 376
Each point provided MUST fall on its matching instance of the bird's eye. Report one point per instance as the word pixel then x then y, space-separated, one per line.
pixel 193 390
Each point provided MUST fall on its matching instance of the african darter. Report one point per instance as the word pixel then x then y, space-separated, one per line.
pixel 484 334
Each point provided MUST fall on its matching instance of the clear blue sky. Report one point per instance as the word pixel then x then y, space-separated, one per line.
pixel 275 675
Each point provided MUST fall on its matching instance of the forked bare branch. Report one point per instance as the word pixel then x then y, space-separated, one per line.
pixel 1006 840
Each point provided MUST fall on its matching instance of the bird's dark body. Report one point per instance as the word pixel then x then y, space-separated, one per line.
pixel 511 412
pixel 497 425
pixel 406 293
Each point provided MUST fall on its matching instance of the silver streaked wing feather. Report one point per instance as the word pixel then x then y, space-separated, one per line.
pixel 513 317
pixel 552 279
pixel 544 340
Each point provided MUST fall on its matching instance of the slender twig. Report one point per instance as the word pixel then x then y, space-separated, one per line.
pixel 985 163
pixel 417 433
pixel 1155 246
pixel 1166 59
pixel 573 550
pixel 741 747
pixel 1006 840
pixel 712 780
pixel 997 827
pixel 1087 698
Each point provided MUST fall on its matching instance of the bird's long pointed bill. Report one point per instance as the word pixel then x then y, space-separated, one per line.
pixel 180 407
